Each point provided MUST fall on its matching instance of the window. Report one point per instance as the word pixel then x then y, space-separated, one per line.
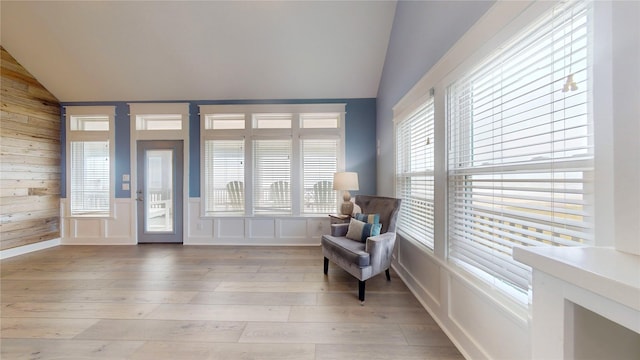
pixel 319 163
pixel 272 121
pixel 89 177
pixel 224 122
pixel 224 176
pixel 272 176
pixel 520 149
pixel 320 121
pixel 89 123
pixel 159 122
pixel 270 159
pixel 89 160
pixel 414 174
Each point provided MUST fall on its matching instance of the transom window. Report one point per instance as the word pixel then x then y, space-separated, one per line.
pixel 159 122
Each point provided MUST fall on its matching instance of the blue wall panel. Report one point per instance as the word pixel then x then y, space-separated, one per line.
pixel 123 151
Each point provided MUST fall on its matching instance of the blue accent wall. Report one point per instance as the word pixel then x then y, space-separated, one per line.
pixel 360 143
pixel 123 151
pixel 360 140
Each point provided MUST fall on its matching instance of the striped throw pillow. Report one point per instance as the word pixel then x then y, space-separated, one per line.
pixel 360 231
pixel 368 218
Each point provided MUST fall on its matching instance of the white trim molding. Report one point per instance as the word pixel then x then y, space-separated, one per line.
pixel 25 249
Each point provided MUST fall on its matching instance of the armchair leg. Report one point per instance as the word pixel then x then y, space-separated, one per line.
pixel 388 275
pixel 326 266
pixel 361 290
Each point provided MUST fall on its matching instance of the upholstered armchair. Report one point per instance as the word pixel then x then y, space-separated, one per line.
pixel 365 259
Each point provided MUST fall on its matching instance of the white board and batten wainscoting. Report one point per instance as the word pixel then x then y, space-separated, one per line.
pixel 120 229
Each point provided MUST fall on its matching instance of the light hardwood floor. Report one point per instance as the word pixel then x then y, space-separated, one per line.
pixel 191 302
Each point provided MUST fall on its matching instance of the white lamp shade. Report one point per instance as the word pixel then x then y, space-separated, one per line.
pixel 345 181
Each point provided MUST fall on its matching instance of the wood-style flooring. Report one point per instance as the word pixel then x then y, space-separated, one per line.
pixel 178 302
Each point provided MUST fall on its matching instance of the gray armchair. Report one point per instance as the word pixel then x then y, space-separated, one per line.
pixel 364 260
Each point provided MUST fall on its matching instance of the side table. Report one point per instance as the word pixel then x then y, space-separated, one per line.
pixel 339 218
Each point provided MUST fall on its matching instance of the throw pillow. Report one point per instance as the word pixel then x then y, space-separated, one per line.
pixel 360 231
pixel 368 218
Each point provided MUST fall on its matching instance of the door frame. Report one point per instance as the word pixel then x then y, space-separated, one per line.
pixel 178 167
pixel 136 109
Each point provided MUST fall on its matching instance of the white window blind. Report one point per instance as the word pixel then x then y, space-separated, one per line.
pixel 272 176
pixel 520 149
pixel 414 174
pixel 319 163
pixel 224 176
pixel 89 177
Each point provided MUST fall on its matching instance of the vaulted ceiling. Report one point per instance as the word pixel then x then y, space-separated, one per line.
pixel 200 50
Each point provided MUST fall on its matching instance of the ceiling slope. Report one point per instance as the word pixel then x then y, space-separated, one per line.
pixel 199 50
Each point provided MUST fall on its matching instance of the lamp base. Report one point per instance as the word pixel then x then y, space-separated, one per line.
pixel 346 208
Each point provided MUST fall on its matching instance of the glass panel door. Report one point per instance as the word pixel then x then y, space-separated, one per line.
pixel 159 191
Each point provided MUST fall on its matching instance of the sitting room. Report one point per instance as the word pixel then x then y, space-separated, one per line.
pixel 317 180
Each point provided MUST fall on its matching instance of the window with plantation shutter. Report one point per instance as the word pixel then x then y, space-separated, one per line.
pixel 414 174
pixel 521 149
pixel 319 163
pixel 89 135
pixel 224 176
pixel 272 176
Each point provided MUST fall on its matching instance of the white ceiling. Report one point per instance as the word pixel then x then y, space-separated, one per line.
pixel 200 50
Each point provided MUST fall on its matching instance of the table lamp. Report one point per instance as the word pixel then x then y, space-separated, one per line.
pixel 346 181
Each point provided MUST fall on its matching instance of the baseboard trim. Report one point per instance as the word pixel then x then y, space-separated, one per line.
pixel 21 250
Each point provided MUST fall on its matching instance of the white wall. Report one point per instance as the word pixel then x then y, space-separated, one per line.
pixel 626 117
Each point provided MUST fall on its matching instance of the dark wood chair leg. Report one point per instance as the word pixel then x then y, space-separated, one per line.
pixel 326 266
pixel 361 290
pixel 388 275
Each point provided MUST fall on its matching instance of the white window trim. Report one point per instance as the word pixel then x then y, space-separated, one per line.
pixel 295 133
pixel 503 20
pixel 401 114
pixel 76 135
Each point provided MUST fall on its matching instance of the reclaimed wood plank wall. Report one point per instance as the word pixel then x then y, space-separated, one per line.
pixel 29 158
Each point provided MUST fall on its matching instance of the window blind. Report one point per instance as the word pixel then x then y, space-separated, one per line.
pixel 272 176
pixel 224 176
pixel 319 163
pixel 414 174
pixel 521 148
pixel 89 178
